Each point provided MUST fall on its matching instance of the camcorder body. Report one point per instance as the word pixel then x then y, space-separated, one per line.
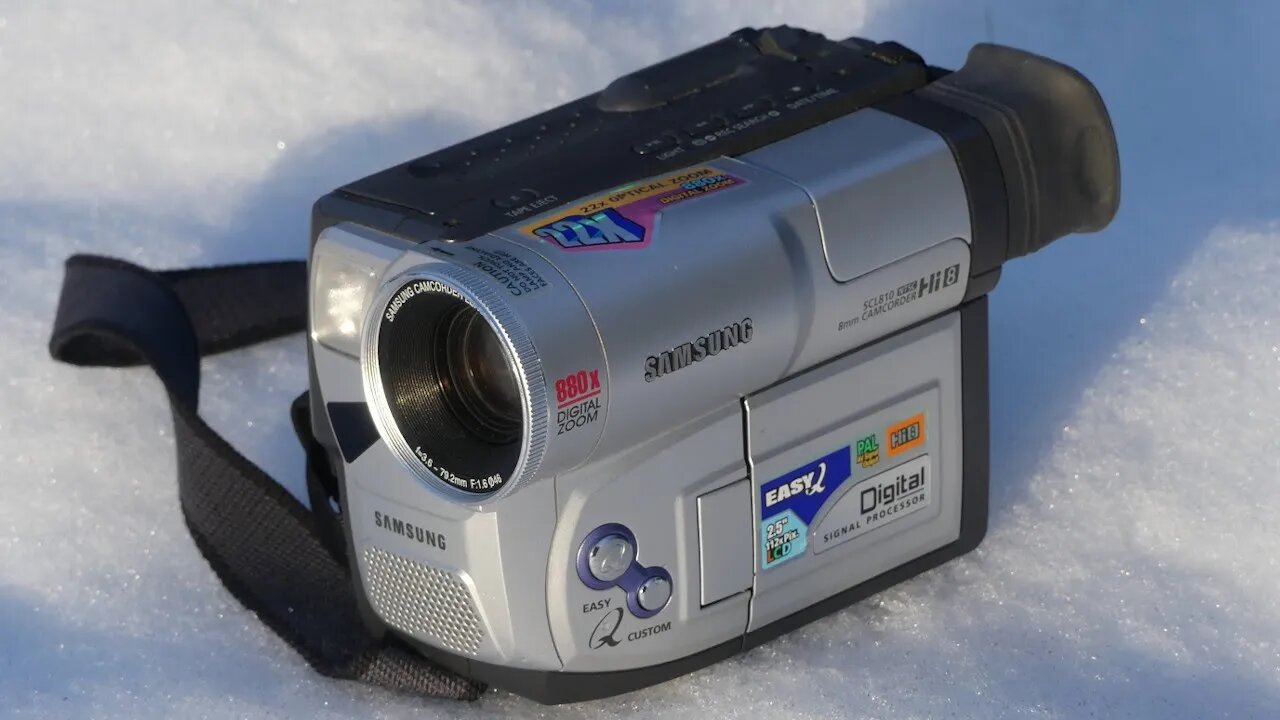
pixel 648 379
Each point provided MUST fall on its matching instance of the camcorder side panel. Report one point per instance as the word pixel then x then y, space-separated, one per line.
pixel 973 484
pixel 607 633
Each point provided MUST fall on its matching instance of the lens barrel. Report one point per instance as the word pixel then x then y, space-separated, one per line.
pixel 448 386
pixel 476 378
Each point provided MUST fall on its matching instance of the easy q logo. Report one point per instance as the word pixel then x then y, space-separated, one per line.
pixel 627 217
pixel 789 503
pixel 812 482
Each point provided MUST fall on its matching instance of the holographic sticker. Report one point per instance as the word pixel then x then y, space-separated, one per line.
pixel 627 217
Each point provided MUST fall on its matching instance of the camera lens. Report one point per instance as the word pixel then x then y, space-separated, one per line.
pixel 475 377
pixel 446 391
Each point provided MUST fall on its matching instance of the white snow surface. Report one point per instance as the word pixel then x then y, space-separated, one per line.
pixel 1131 565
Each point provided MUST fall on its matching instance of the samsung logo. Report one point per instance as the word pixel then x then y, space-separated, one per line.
pixel 409 530
pixel 697 350
pixel 408 292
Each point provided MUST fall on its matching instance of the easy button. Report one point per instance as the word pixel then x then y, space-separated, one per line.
pixel 610 557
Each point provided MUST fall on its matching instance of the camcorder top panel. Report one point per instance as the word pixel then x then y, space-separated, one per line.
pixel 756 87
pixel 729 97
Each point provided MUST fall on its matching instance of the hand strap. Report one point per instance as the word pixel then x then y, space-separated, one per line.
pixel 281 561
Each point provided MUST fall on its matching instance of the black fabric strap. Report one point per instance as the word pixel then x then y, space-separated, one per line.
pixel 281 561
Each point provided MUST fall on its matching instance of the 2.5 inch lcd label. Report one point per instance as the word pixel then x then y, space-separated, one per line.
pixel 790 502
pixel 627 217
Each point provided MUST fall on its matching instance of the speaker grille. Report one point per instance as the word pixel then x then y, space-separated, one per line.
pixel 423 601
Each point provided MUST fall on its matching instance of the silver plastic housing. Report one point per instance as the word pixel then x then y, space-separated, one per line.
pixel 820 230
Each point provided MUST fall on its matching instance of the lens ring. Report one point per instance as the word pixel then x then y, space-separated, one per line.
pixel 513 341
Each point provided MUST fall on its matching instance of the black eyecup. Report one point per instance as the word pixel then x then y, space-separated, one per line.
pixel 1052 137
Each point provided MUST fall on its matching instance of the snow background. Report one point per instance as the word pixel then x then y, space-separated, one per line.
pixel 1131 567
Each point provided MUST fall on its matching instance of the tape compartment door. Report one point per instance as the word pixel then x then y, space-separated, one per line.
pixel 856 468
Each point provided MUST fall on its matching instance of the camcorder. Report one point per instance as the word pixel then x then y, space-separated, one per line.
pixel 648 379
pixel 635 384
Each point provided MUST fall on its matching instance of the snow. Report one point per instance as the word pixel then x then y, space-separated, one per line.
pixel 1131 567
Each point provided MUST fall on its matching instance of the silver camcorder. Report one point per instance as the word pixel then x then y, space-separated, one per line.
pixel 645 380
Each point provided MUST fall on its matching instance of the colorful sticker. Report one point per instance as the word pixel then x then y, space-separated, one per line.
pixel 905 435
pixel 627 217
pixel 876 502
pixel 868 449
pixel 577 400
pixel 788 504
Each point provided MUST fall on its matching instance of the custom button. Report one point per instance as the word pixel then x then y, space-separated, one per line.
pixel 753 108
pixel 656 145
pixel 654 593
pixel 610 557
pixel 515 199
pixel 704 126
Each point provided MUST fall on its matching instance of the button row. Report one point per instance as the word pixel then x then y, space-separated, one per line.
pixel 712 123
pixel 607 559
pixel 705 126
pixel 491 154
